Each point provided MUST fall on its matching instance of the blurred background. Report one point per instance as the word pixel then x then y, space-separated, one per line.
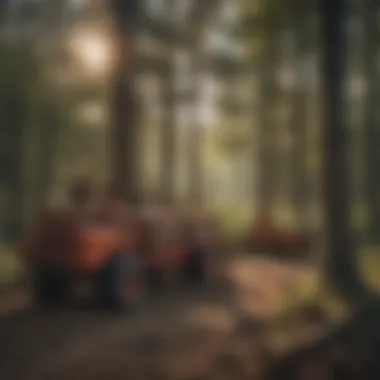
pixel 226 107
pixel 254 109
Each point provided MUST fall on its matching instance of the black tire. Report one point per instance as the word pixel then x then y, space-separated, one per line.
pixel 50 289
pixel 112 288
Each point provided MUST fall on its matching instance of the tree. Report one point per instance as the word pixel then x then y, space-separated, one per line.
pixel 372 130
pixel 49 126
pixel 261 25
pixel 169 127
pixel 201 12
pixel 303 46
pixel 126 15
pixel 341 268
pixel 165 36
pixel 266 61
pixel 18 78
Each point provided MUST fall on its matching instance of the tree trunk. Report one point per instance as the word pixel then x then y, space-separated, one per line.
pixel 47 143
pixel 265 156
pixel 200 14
pixel 168 131
pixel 124 99
pixel 168 140
pixel 12 173
pixel 194 143
pixel 372 131
pixel 341 267
pixel 299 126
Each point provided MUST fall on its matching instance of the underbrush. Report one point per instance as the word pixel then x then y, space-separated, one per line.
pixel 309 307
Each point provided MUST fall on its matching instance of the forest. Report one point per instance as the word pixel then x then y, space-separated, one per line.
pixel 251 122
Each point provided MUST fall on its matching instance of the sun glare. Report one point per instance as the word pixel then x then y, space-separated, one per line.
pixel 93 52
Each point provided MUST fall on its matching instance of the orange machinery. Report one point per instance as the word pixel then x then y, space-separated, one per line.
pixel 61 249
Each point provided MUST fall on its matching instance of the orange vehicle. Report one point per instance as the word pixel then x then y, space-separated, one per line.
pixel 62 249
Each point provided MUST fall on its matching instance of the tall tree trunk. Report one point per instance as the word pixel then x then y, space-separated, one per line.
pixel 168 131
pixel 372 119
pixel 341 267
pixel 195 140
pixel 200 14
pixel 12 173
pixel 265 157
pixel 47 139
pixel 124 100
pixel 299 124
pixel 168 139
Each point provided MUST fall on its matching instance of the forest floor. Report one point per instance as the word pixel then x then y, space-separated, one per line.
pixel 209 334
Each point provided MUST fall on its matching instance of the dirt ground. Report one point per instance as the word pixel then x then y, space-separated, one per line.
pixel 192 335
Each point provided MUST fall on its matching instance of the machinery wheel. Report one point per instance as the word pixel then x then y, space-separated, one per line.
pixel 120 283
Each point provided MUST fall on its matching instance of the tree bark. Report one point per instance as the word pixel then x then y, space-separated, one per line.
pixel 201 12
pixel 168 141
pixel 265 155
pixel 12 173
pixel 46 160
pixel 372 130
pixel 195 135
pixel 299 125
pixel 341 267
pixel 169 126
pixel 124 99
